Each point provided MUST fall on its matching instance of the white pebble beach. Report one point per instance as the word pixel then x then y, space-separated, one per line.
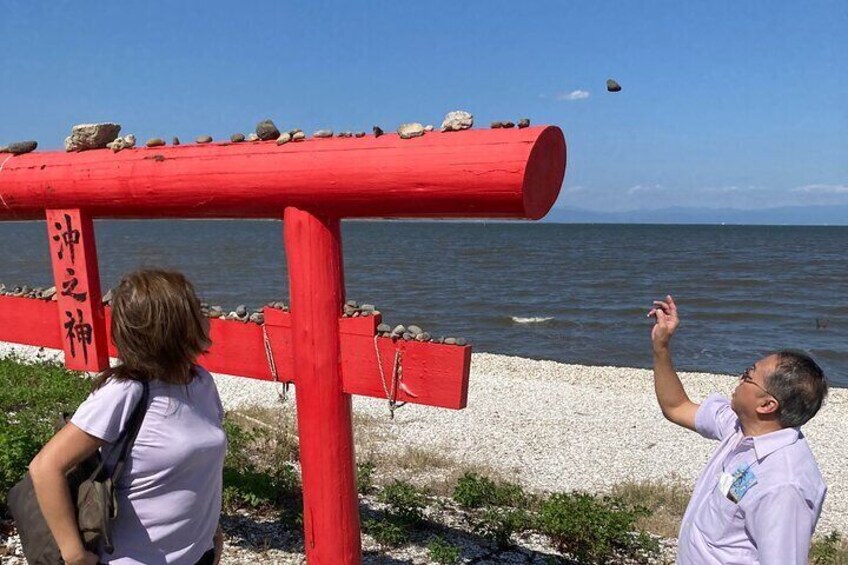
pixel 553 426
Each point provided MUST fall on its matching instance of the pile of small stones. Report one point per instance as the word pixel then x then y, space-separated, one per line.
pixel 522 123
pixel 25 291
pixel 415 333
pixel 85 137
pixel 352 309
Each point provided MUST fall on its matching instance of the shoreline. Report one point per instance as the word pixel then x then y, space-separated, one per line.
pixel 552 426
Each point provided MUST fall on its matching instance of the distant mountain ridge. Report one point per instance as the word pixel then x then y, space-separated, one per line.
pixel 788 215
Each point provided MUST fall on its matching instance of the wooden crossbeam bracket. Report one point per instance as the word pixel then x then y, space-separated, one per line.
pixel 434 374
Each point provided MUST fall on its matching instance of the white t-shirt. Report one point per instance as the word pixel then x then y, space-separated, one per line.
pixel 169 496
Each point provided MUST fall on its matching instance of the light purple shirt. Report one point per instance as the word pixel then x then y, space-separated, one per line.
pixel 774 520
pixel 169 497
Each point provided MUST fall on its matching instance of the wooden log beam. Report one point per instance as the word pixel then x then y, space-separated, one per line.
pixel 510 173
pixel 433 374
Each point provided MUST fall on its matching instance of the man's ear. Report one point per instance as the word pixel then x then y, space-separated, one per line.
pixel 767 406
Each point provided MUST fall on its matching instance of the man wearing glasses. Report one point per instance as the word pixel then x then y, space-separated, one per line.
pixel 761 493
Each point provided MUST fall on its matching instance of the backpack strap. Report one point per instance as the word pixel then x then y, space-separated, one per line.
pixel 126 440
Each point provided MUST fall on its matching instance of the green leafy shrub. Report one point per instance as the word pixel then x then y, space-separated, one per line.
pixel 443 552
pixel 829 550
pixel 499 523
pixel 593 529
pixel 32 398
pixel 365 477
pixel 263 485
pixel 387 531
pixel 476 491
pixel 405 502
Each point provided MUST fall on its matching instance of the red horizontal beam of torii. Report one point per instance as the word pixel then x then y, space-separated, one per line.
pixel 436 374
pixel 312 185
pixel 498 173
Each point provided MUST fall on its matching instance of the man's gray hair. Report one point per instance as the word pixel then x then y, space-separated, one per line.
pixel 799 385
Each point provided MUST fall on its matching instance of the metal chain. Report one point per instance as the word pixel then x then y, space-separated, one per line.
pixel 282 391
pixel 397 374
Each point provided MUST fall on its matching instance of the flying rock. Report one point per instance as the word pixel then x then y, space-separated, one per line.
pixel 19 147
pixel 457 121
pixel 266 130
pixel 613 86
pixel 408 131
pixel 91 136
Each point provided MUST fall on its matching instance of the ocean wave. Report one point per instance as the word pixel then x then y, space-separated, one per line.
pixel 536 320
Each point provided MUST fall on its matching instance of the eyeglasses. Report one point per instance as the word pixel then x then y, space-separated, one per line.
pixel 745 377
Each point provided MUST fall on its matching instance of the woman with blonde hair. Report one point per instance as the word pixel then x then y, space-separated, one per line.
pixel 169 494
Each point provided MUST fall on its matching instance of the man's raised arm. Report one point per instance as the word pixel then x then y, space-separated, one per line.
pixel 672 397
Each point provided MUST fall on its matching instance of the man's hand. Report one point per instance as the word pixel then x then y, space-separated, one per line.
pixel 665 312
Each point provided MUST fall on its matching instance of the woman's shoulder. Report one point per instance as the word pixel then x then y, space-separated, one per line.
pixel 114 386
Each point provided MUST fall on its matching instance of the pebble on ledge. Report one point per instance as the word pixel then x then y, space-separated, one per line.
pixel 91 136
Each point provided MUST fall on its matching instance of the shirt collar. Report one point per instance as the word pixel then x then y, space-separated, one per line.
pixel 767 444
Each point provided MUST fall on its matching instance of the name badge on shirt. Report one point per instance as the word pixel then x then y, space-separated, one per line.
pixel 736 485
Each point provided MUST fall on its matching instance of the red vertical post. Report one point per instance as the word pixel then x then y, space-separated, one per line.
pixel 82 317
pixel 316 283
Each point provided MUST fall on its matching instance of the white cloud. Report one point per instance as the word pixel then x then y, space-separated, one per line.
pixel 643 188
pixel 822 189
pixel 573 95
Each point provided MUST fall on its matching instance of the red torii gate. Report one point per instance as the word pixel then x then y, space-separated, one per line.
pixel 497 173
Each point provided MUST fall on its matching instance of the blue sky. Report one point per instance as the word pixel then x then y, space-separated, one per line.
pixel 724 104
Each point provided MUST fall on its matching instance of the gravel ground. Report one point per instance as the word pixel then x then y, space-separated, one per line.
pixel 549 426
pixel 552 426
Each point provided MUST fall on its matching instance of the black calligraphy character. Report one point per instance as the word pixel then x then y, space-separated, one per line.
pixel 68 238
pixel 69 287
pixel 78 331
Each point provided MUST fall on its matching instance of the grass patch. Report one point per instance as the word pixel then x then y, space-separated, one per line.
pixel 475 491
pixel 831 549
pixel 666 501
pixel 259 470
pixel 32 400
pixel 443 552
